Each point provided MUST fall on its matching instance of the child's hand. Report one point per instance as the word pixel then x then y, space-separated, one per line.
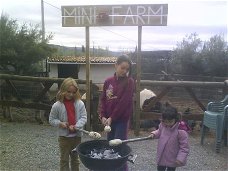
pixel 63 125
pixel 178 163
pixel 151 135
pixel 108 121
pixel 103 120
pixel 72 128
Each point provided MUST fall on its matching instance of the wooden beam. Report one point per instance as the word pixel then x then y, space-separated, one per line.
pixel 14 89
pixel 192 84
pixel 115 15
pixel 192 94
pixel 36 79
pixel 137 107
pixel 47 86
pixel 225 89
pixel 29 105
pixel 88 86
pixel 155 116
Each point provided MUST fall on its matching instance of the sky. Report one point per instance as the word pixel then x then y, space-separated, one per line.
pixel 206 18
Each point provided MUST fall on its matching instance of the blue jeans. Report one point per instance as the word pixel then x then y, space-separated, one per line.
pixel 119 130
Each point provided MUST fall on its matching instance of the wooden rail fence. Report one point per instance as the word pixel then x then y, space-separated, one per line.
pixel 167 86
pixel 46 83
pixel 36 101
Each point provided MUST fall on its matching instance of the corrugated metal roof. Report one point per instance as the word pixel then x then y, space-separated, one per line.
pixel 81 60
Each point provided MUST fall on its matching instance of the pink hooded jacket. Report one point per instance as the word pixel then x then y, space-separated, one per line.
pixel 172 145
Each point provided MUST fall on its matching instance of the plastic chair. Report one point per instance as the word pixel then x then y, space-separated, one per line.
pixel 216 117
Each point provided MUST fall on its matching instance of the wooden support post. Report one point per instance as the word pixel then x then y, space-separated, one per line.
pixel 4 111
pixel 225 88
pixel 14 89
pixel 9 112
pixel 38 116
pixel 137 114
pixel 88 92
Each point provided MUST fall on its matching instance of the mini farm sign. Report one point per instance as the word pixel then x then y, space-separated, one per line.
pixel 115 15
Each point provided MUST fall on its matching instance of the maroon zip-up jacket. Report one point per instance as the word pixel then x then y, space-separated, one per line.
pixel 117 98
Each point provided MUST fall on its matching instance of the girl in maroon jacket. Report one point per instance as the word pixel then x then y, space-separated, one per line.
pixel 117 99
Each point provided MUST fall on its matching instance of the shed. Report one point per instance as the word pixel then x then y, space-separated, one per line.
pixel 71 66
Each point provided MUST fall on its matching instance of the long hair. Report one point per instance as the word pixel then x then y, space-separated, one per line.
pixel 65 86
pixel 121 59
pixel 125 58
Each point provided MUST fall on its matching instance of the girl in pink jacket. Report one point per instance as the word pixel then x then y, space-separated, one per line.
pixel 173 145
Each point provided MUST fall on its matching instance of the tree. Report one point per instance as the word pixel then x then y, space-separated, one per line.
pixel 185 58
pixel 22 47
pixel 215 54
pixel 194 57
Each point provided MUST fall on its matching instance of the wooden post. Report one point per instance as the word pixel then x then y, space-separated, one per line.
pixel 225 88
pixel 42 19
pixel 137 107
pixel 88 95
pixel 8 108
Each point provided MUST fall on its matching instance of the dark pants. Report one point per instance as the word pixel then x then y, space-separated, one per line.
pixel 165 168
pixel 119 130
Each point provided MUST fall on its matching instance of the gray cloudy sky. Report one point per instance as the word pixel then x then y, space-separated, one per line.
pixel 206 17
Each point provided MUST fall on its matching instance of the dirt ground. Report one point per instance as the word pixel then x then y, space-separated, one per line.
pixel 26 146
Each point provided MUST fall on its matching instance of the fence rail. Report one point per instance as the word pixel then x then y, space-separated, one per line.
pixel 36 102
pixel 166 87
pixel 13 96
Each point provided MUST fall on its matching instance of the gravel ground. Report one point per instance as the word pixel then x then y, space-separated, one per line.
pixel 28 146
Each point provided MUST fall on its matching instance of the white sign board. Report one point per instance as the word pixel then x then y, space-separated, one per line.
pixel 115 15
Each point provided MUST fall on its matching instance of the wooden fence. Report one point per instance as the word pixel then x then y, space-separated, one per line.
pixel 12 96
pixel 166 87
pixel 36 102
pixel 181 77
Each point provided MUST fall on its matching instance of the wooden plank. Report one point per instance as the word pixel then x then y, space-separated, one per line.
pixel 14 89
pixel 88 86
pixel 30 105
pixel 36 79
pixel 47 86
pixel 225 89
pixel 115 15
pixel 192 94
pixel 192 84
pixel 137 107
pixel 155 116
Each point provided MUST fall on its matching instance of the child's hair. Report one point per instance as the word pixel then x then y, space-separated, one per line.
pixel 169 112
pixel 64 87
pixel 125 58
